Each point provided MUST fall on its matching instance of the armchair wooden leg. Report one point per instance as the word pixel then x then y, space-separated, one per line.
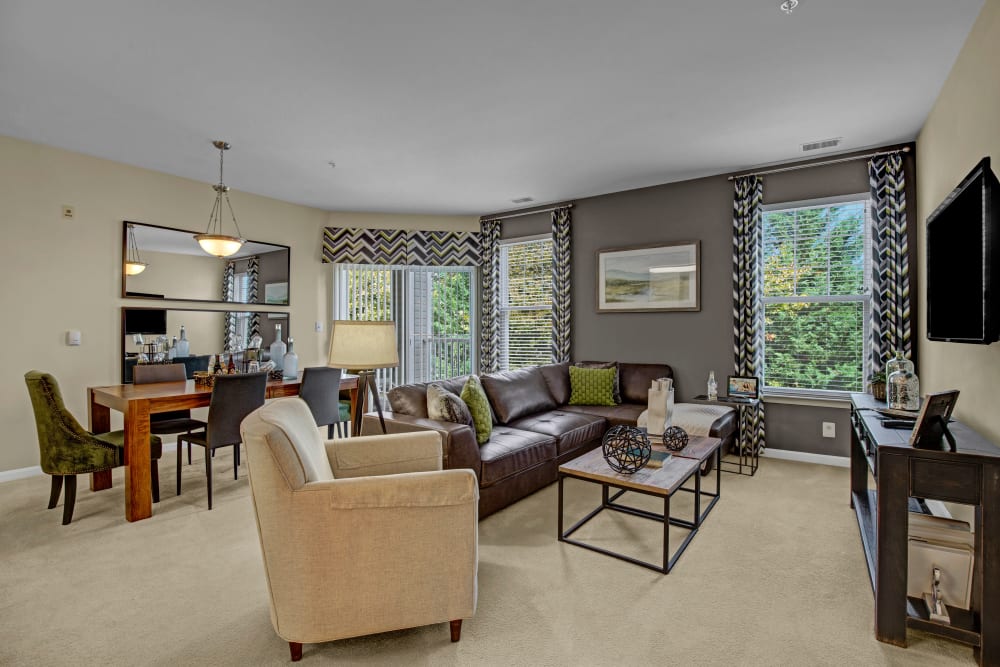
pixel 57 482
pixel 456 630
pixel 70 499
pixel 296 650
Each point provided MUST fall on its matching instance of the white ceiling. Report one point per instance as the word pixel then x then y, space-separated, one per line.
pixel 459 106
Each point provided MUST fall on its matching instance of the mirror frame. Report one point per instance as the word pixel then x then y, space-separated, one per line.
pixel 127 295
pixel 285 322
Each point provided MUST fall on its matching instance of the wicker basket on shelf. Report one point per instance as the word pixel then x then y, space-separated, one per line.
pixel 878 390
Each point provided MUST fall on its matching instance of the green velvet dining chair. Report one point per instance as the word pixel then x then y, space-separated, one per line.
pixel 66 449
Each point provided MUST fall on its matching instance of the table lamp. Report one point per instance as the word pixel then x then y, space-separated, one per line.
pixel 366 346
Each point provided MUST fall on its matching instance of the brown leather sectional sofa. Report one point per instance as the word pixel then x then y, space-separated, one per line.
pixel 534 430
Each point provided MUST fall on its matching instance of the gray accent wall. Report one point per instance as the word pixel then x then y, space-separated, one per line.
pixel 694 343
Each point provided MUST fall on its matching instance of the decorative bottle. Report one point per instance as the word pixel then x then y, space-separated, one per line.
pixel 278 348
pixel 172 349
pixel 713 387
pixel 902 385
pixel 231 366
pixel 217 368
pixel 183 347
pixel 290 362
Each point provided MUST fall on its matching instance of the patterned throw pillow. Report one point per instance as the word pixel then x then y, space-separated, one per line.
pixel 482 415
pixel 443 405
pixel 617 392
pixel 592 386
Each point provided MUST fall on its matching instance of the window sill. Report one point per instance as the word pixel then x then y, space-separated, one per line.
pixel 837 399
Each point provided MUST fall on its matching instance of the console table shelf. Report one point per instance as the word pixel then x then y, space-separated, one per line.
pixel 904 478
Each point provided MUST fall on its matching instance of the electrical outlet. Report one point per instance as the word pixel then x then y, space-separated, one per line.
pixel 319 327
pixel 68 212
pixel 829 430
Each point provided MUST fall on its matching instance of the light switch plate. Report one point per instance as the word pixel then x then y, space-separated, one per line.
pixel 829 430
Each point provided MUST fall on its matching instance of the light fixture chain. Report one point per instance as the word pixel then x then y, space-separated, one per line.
pixel 233 215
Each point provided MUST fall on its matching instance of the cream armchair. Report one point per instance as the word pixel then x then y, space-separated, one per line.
pixel 361 535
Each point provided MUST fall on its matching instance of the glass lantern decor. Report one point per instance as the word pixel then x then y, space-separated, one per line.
pixel 902 385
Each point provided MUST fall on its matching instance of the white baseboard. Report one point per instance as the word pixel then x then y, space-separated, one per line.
pixel 20 473
pixel 806 457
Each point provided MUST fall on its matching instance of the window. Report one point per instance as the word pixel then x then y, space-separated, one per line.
pixel 434 311
pixel 241 293
pixel 525 302
pixel 816 295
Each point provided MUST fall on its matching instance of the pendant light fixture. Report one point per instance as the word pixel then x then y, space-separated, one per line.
pixel 133 263
pixel 213 241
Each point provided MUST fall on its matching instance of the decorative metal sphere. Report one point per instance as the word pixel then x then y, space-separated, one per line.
pixel 675 438
pixel 626 449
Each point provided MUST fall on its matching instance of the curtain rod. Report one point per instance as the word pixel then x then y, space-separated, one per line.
pixel 904 149
pixel 505 216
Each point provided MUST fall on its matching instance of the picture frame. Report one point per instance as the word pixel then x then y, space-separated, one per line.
pixel 276 293
pixel 931 427
pixel 742 387
pixel 663 277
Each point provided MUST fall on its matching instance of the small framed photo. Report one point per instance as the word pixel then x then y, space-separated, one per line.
pixel 661 277
pixel 742 387
pixel 931 428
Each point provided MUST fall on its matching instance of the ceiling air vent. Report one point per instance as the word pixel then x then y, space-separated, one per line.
pixel 824 143
pixel 522 200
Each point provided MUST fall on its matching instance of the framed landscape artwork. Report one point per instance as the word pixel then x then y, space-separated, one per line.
pixel 662 277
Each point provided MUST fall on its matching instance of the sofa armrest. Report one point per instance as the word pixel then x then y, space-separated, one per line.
pixel 439 488
pixel 384 454
pixel 459 446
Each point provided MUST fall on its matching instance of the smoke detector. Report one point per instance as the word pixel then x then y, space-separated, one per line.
pixel 822 143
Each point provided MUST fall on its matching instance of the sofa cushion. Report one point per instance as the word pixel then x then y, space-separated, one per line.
pixel 570 429
pixel 411 399
pixel 605 364
pixel 479 407
pixel 718 421
pixel 517 393
pixel 626 413
pixel 557 380
pixel 592 386
pixel 443 405
pixel 512 451
pixel 635 380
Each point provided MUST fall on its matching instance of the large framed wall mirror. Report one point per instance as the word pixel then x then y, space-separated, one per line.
pixel 175 267
pixel 146 332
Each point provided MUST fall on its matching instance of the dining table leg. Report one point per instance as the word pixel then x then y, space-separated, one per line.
pixel 138 483
pixel 99 417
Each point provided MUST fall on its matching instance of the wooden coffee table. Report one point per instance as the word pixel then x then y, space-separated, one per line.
pixel 658 482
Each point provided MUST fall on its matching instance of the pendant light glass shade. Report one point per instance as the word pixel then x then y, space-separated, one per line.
pixel 133 263
pixel 214 241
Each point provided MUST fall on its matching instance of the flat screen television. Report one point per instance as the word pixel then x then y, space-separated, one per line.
pixel 145 321
pixel 963 261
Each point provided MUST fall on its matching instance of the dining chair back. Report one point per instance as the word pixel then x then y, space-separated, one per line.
pixel 175 421
pixel 320 390
pixel 66 449
pixel 233 398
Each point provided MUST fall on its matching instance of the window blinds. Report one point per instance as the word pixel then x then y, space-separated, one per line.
pixel 525 303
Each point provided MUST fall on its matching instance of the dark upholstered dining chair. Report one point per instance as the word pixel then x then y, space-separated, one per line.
pixel 66 449
pixel 320 390
pixel 175 421
pixel 233 398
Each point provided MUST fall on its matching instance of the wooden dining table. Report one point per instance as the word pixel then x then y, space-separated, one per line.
pixel 137 402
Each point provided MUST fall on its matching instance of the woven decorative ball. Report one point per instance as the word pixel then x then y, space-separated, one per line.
pixel 626 449
pixel 675 438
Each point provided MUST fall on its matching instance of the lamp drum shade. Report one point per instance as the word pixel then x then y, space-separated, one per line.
pixel 365 345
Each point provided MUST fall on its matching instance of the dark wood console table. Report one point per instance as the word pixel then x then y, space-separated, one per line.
pixel 904 477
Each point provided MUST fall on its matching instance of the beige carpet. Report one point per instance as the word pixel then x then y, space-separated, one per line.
pixel 775 577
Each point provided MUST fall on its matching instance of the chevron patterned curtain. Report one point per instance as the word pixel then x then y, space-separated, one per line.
pixel 748 313
pixel 561 310
pixel 253 272
pixel 489 329
pixel 346 245
pixel 890 261
pixel 228 294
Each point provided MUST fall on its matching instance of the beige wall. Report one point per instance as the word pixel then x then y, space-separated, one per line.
pixel 963 126
pixel 66 274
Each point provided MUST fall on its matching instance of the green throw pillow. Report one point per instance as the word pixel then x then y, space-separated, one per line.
pixel 592 386
pixel 482 415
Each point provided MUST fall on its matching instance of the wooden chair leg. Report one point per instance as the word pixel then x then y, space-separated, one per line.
pixel 180 446
pixel 208 474
pixel 57 482
pixel 70 499
pixel 154 479
pixel 296 650
pixel 456 630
